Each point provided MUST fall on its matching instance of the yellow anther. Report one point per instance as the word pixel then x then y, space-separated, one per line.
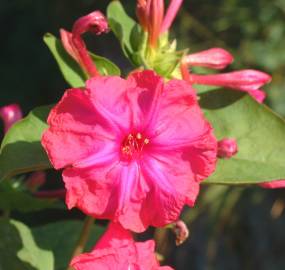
pixel 139 136
pixel 146 141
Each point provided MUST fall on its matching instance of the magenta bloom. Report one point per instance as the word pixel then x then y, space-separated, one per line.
pixel 133 151
pixel 117 250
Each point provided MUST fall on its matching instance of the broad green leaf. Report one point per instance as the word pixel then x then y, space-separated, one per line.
pixel 125 29
pixel 13 198
pixel 21 149
pixel 71 71
pixel 61 238
pixel 259 133
pixel 23 202
pixel 18 250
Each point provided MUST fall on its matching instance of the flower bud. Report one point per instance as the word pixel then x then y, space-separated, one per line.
pixel 94 22
pixel 245 80
pixel 274 184
pixel 10 114
pixel 215 58
pixel 258 95
pixel 227 148
pixel 155 9
pixel 181 231
pixel 141 12
pixel 170 15
pixel 66 40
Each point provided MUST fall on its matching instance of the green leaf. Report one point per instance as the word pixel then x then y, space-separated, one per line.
pixel 21 149
pixel 125 29
pixel 71 71
pixel 61 238
pixel 18 250
pixel 12 198
pixel 259 133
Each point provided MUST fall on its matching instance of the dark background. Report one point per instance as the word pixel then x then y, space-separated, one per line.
pixel 236 228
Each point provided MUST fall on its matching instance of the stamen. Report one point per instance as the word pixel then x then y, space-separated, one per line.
pixel 132 145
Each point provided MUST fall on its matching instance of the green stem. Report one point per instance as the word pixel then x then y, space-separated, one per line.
pixel 83 238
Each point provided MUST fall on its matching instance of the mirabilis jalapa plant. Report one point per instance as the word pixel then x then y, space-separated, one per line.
pixel 134 150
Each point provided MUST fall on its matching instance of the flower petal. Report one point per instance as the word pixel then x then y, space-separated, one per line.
pixel 168 184
pixel 145 97
pixel 108 94
pixel 117 250
pixel 75 127
pixel 109 192
pixel 91 189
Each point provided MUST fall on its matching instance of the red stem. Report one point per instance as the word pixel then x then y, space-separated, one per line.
pixel 59 193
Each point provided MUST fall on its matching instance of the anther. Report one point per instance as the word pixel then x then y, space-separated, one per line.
pixel 133 144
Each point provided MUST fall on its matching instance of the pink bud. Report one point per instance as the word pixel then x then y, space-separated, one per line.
pixel 66 40
pixel 258 95
pixel 274 184
pixel 142 15
pixel 94 22
pixel 227 148
pixel 155 9
pixel 245 80
pixel 181 231
pixel 215 58
pixel 170 15
pixel 10 114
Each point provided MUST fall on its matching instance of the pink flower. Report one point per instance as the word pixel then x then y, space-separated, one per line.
pixel 227 148
pixel 10 114
pixel 133 151
pixel 94 22
pixel 274 184
pixel 117 250
pixel 215 58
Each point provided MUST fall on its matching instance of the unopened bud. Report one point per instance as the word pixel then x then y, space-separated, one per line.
pixel 227 148
pixel 244 80
pixel 142 15
pixel 155 9
pixel 274 184
pixel 66 40
pixel 94 22
pixel 258 95
pixel 170 15
pixel 181 232
pixel 10 114
pixel 215 58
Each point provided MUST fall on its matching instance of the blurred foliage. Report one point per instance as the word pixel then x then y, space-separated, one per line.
pixel 254 31
pixel 231 228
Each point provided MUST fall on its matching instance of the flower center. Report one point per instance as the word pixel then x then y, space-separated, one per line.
pixel 133 145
